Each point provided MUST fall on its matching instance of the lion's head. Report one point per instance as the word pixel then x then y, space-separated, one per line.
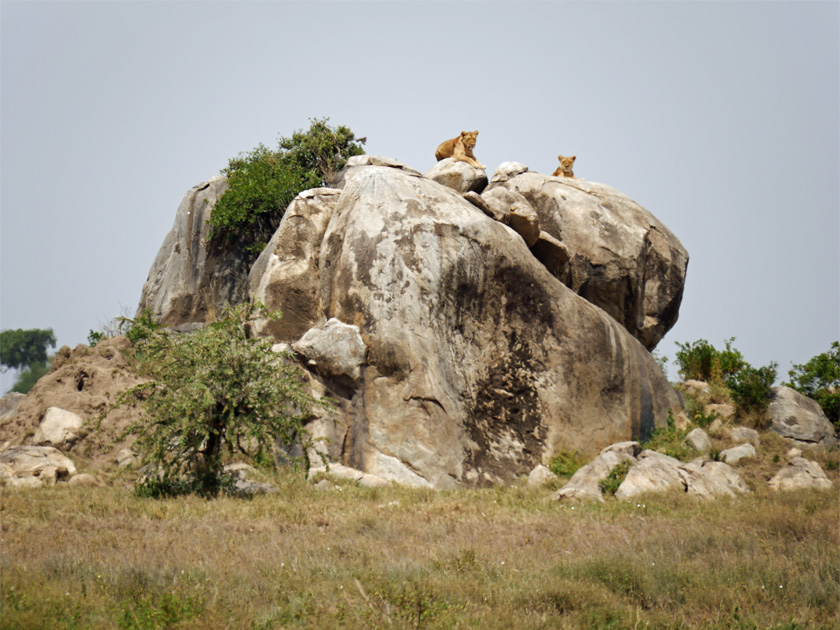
pixel 566 162
pixel 469 138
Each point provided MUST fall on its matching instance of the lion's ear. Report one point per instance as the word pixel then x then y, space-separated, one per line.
pixel 573 158
pixel 560 157
pixel 475 132
pixel 464 133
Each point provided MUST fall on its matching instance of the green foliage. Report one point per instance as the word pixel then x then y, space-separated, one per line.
pixel 20 349
pixel 566 464
pixel 26 380
pixel 140 328
pixel 700 360
pixel 819 379
pixel 669 441
pixel 262 183
pixel 610 484
pixel 212 393
pixel 697 413
pixel 94 337
pixel 750 387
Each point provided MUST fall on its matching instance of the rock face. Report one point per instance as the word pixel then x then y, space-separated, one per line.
pixel 799 418
pixel 336 348
pixel 585 483
pixel 188 283
pixel 458 175
pixel 622 258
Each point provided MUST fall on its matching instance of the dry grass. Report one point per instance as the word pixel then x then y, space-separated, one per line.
pixel 397 558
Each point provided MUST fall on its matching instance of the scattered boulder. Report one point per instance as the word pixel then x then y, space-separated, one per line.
pixel 735 454
pixel 338 471
pixel 800 474
pixel 724 411
pixel 540 476
pixel 585 484
pixel 58 428
pixel 507 171
pixel 744 434
pixel 191 280
pixel 336 348
pixel 698 390
pixel 32 466
pixel 799 418
pixel 125 458
pixel 699 440
pixel 458 175
pixel 623 259
pixel 243 485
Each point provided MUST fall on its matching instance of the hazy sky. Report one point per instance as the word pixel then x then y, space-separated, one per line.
pixel 721 118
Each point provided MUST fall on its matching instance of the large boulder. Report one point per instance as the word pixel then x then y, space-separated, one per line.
pixel 585 484
pixel 458 175
pixel 59 427
pixel 799 418
pixel 623 259
pixel 480 362
pixel 190 281
pixel 800 474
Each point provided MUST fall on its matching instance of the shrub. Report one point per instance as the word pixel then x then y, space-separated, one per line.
pixel 212 393
pixel 670 441
pixel 262 183
pixel 750 387
pixel 701 361
pixel 819 379
pixel 610 484
pixel 566 464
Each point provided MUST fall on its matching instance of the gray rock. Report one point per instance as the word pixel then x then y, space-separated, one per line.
pixel 336 348
pixel 125 458
pixel 699 441
pixel 285 276
pixel 371 160
pixel 506 171
pixel 32 466
pixel 744 434
pixel 540 476
pixel 585 484
pixel 84 480
pixel 58 428
pixel 735 454
pixel 797 417
pixel 800 474
pixel 9 404
pixel 339 471
pixel 623 259
pixel 188 283
pixel 458 175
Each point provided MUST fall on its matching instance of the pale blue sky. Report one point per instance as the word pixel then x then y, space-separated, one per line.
pixel 721 118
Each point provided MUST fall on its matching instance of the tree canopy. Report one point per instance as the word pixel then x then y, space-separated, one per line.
pixel 20 348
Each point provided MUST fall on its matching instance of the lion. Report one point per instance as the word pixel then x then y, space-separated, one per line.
pixel 460 149
pixel 565 168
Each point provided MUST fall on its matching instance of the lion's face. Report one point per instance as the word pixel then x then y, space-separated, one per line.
pixel 468 138
pixel 566 162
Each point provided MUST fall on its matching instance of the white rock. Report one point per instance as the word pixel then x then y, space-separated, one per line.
pixel 34 466
pixel 335 347
pixel 699 441
pixel 800 474
pixel 735 454
pixel 58 428
pixel 540 476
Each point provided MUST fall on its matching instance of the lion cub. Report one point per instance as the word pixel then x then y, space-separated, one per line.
pixel 460 149
pixel 565 168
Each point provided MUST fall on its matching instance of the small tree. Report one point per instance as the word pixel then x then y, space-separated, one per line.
pixel 819 379
pixel 262 183
pixel 26 350
pixel 213 393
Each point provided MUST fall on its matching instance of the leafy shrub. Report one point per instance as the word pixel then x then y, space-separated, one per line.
pixel 262 183
pixel 819 379
pixel 700 361
pixel 566 464
pixel 750 387
pixel 669 440
pixel 212 393
pixel 610 484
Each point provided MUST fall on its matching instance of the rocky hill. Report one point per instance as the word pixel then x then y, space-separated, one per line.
pixel 468 329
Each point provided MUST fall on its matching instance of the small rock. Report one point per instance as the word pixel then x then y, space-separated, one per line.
pixel 83 480
pixel 724 411
pixel 800 474
pixel 794 452
pixel 699 441
pixel 743 434
pixel 459 176
pixel 735 454
pixel 540 476
pixel 508 170
pixel 58 427
pixel 125 458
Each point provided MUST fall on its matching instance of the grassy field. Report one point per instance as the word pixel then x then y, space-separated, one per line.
pixel 351 557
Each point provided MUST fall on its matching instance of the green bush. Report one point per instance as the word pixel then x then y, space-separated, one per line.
pixel 212 393
pixel 701 361
pixel 566 464
pixel 669 440
pixel 610 484
pixel 819 379
pixel 750 387
pixel 262 183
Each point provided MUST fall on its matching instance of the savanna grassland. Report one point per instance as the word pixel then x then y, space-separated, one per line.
pixel 352 557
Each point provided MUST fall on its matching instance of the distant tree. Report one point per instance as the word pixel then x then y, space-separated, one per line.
pixel 21 348
pixel 212 393
pixel 262 183
pixel 819 379
pixel 26 350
